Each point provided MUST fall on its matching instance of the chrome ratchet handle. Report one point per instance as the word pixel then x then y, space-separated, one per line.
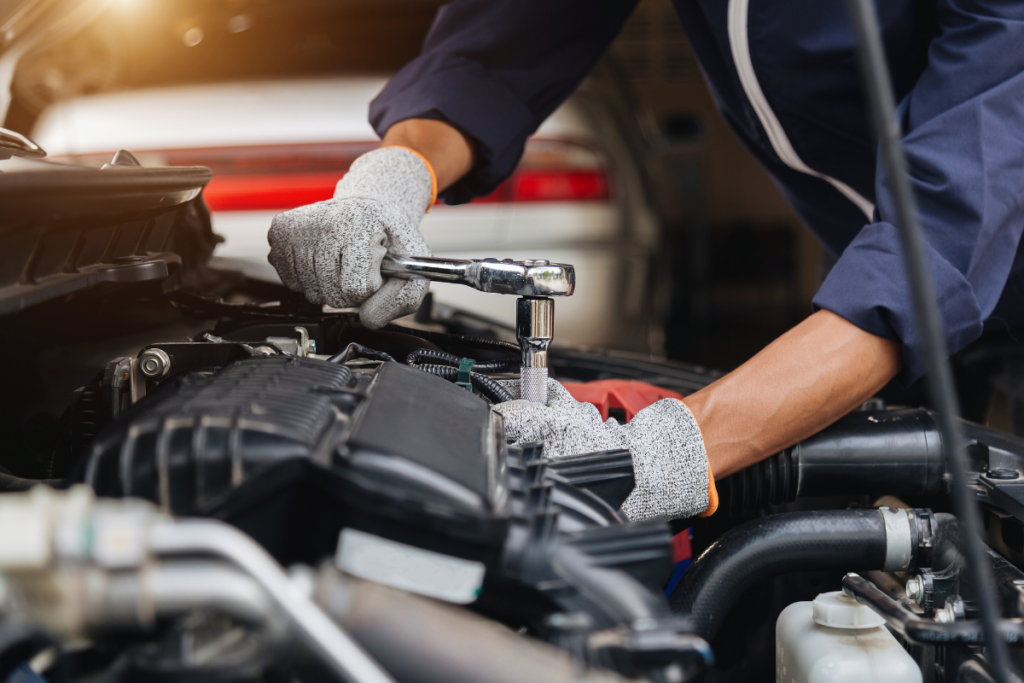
pixel 534 280
pixel 536 277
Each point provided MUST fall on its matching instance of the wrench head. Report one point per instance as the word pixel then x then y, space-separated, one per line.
pixel 532 277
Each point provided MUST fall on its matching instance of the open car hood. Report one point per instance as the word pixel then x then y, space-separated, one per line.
pixel 30 24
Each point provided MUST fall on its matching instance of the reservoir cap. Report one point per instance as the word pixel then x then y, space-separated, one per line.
pixel 839 610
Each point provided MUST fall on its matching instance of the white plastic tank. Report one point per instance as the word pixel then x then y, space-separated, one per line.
pixel 835 639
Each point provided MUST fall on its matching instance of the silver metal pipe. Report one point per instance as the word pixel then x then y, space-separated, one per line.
pixel 323 636
pixel 175 588
pixel 535 328
pixel 136 599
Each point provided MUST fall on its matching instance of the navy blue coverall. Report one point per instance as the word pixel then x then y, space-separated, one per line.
pixel 783 74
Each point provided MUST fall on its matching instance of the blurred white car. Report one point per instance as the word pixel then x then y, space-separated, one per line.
pixel 576 197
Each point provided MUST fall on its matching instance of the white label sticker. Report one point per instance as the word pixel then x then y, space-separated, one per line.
pixel 409 568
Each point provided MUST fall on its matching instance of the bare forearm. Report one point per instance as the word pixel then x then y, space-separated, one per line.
pixel 447 150
pixel 802 382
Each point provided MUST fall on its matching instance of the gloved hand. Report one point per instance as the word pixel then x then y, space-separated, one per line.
pixel 670 465
pixel 331 251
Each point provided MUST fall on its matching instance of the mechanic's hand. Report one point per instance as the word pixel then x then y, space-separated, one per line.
pixel 331 251
pixel 673 479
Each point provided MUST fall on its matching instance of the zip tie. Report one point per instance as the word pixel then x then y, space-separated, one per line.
pixel 464 380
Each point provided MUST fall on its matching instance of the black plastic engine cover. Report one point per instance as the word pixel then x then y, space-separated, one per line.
pixel 430 422
pixel 293 449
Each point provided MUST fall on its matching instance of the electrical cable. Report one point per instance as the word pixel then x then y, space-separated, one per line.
pixel 490 389
pixel 437 357
pixel 493 391
pixel 878 85
pixel 921 630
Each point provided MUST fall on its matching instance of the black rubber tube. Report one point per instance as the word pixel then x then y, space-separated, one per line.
pixel 485 385
pixel 434 356
pixel 884 117
pixel 923 631
pixel 848 540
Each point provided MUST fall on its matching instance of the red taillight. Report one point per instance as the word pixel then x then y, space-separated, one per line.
pixel 288 190
pixel 558 186
pixel 280 191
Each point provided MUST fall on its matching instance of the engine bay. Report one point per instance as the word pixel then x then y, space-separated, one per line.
pixel 205 477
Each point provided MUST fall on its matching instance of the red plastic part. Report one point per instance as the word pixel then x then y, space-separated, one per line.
pixel 681 546
pixel 627 395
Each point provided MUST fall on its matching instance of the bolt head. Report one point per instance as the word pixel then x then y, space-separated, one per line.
pixel 915 589
pixel 154 363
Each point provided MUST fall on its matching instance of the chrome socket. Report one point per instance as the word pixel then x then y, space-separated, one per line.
pixel 535 328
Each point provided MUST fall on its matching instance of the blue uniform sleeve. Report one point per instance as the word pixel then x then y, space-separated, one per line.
pixel 495 69
pixel 964 135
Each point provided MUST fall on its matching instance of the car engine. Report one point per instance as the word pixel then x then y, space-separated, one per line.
pixel 207 478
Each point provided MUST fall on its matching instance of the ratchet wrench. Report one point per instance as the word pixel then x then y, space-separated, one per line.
pixel 534 280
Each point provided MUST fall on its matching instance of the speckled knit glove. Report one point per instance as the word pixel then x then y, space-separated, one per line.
pixel 673 479
pixel 331 251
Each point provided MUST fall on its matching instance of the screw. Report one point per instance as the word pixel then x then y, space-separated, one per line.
pixel 915 589
pixel 953 610
pixel 154 363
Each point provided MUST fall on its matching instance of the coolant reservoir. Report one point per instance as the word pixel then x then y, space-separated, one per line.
pixel 836 639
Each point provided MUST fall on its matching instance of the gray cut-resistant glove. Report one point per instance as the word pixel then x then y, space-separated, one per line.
pixel 331 251
pixel 670 464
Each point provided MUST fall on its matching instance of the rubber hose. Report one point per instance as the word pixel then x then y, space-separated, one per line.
pixel 459 340
pixel 444 358
pixel 494 392
pixel 846 540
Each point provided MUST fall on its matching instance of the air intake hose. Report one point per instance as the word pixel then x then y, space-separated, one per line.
pixel 897 452
pixel 845 540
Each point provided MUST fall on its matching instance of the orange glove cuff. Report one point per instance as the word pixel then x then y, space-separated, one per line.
pixel 712 491
pixel 430 169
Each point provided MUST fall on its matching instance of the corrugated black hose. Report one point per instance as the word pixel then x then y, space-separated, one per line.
pixel 878 85
pixel 493 391
pixel 490 389
pixel 436 357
